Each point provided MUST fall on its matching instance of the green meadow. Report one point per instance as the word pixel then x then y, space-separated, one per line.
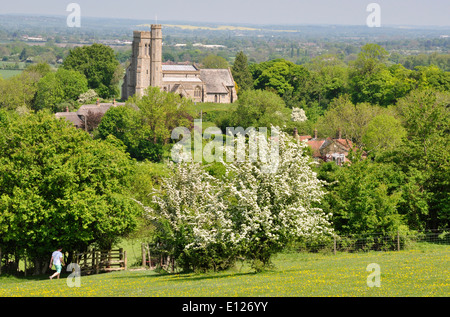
pixel 8 73
pixel 423 271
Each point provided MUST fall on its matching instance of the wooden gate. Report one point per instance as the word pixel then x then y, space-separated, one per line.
pixel 95 261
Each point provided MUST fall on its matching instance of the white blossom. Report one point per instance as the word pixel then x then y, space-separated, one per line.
pixel 298 115
pixel 250 207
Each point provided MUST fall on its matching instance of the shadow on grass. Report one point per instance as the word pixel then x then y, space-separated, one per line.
pixel 186 276
pixel 8 278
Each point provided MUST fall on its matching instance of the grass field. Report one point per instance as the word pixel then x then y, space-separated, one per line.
pixel 8 73
pixel 422 271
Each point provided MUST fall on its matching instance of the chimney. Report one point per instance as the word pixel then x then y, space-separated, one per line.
pixel 114 102
pixel 315 133
pixel 98 102
pixel 67 109
pixel 295 133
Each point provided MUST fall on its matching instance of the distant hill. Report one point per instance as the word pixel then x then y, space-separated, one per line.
pixel 107 27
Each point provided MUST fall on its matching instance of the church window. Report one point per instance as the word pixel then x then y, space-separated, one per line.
pixel 197 92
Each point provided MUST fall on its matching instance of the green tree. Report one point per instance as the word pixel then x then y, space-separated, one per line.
pixel 145 124
pixel 60 86
pixel 365 198
pixel 60 187
pixel 40 68
pixel 431 77
pixel 161 112
pixel 424 156
pixel 352 120
pixel 370 80
pixel 99 64
pixel 259 108
pixel 19 91
pixel 329 80
pixel 214 61
pixel 124 124
pixel 241 72
pixel 384 133
pixel 281 76
pixel 371 59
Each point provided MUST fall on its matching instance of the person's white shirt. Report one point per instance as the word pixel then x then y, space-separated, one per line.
pixel 57 257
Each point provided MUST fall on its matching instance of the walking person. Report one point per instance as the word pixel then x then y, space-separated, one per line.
pixel 58 261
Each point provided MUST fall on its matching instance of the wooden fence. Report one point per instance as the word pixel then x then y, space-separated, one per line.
pixel 160 259
pixel 95 261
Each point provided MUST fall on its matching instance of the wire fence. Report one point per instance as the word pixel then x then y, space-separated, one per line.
pixel 395 241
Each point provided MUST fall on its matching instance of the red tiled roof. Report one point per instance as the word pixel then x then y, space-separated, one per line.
pixel 347 143
pixel 316 145
pixel 304 137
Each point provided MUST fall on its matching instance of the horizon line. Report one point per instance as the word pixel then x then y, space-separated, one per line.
pixel 231 23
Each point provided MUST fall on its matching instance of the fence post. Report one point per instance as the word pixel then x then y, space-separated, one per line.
pixel 398 241
pixel 94 262
pixel 121 256
pixel 143 254
pixel 25 265
pixel 334 237
pixel 125 260
pixel 109 259
pixel 149 256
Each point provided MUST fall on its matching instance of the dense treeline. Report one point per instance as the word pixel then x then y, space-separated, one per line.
pixel 397 116
pixel 58 186
pixel 63 185
pixel 38 87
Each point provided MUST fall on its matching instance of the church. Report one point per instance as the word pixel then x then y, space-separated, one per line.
pixel 147 69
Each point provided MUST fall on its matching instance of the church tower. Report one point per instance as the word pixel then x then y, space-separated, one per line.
pixel 156 56
pixel 141 59
pixel 147 70
pixel 146 62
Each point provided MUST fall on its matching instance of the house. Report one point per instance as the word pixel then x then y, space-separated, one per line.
pixel 329 149
pixel 80 117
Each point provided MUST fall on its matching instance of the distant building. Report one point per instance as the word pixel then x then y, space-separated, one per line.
pixel 329 149
pixel 147 70
pixel 80 117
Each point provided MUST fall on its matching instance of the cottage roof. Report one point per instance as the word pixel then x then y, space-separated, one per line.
pixel 304 137
pixel 71 117
pixel 318 145
pixel 217 80
pixel 100 108
pixel 77 117
pixel 345 143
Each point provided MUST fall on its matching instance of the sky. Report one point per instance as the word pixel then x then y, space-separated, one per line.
pixel 282 12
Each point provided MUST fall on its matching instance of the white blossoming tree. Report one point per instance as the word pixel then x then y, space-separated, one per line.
pixel 262 203
pixel 190 217
pixel 269 209
pixel 298 115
